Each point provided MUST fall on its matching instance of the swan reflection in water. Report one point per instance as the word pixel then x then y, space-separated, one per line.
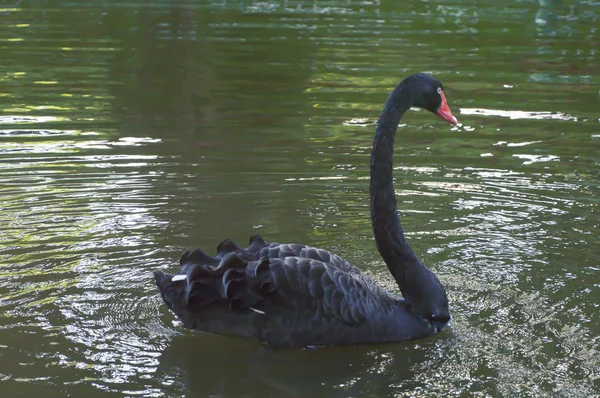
pixel 207 365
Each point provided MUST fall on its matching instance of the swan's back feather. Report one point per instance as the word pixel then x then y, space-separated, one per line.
pixel 279 250
pixel 320 287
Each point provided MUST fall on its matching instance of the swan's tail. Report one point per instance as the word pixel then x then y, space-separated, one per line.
pixel 207 289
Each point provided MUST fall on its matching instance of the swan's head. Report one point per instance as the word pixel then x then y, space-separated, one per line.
pixel 439 317
pixel 436 312
pixel 428 93
pixel 427 297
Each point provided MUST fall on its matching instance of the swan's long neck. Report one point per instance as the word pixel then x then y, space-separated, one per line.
pixel 414 279
pixel 389 235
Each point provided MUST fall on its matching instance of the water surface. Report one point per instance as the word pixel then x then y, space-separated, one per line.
pixel 132 131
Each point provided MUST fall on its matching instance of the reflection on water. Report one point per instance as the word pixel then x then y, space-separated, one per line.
pixel 517 114
pixel 265 372
pixel 133 131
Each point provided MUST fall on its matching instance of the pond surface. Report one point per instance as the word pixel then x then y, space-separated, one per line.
pixel 132 131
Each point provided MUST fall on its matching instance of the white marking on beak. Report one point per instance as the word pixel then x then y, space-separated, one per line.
pixel 257 311
pixel 180 277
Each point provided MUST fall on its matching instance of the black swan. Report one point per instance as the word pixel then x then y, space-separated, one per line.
pixel 293 295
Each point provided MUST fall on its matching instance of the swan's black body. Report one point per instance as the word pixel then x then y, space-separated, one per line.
pixel 292 295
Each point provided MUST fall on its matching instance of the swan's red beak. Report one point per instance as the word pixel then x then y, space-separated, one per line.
pixel 444 112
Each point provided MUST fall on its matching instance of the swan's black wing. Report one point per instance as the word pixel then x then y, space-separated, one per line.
pixel 272 280
pixel 309 287
pixel 283 250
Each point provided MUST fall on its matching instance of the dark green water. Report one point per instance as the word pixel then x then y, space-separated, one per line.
pixel 131 131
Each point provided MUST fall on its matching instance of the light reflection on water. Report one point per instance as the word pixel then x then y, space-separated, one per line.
pixel 196 123
pixel 518 114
